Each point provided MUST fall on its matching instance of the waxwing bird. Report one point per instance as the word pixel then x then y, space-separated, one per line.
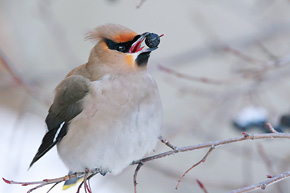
pixel 107 112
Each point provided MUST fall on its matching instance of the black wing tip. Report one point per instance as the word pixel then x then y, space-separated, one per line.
pixel 34 160
pixel 41 151
pixel 50 139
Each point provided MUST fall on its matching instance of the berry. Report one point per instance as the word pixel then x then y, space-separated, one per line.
pixel 152 40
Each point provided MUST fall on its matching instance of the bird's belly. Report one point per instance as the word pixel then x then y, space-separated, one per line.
pixel 110 137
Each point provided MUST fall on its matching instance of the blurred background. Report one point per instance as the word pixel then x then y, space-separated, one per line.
pixel 222 68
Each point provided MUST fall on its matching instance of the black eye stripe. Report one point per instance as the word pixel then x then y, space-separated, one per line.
pixel 111 44
pixel 120 47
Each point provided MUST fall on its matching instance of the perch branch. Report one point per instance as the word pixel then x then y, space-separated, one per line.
pixel 215 144
pixel 56 181
pixel 140 162
pixel 212 145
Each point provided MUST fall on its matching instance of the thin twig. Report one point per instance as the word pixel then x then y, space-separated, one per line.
pixel 201 186
pixel 201 161
pixel 56 180
pixel 140 4
pixel 265 158
pixel 267 66
pixel 268 164
pixel 52 187
pixel 271 128
pixel 266 51
pixel 140 164
pixel 166 142
pixel 190 77
pixel 264 184
pixel 80 186
pixel 241 55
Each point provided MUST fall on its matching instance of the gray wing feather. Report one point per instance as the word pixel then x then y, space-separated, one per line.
pixel 67 104
pixel 68 100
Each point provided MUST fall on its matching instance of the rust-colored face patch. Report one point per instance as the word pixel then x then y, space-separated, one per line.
pixel 125 37
pixel 105 46
pixel 129 59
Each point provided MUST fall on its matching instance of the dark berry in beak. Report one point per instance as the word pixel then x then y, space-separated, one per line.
pixel 152 40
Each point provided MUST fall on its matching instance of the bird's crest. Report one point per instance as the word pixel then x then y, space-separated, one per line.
pixel 115 32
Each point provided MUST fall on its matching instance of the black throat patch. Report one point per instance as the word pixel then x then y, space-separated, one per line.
pixel 142 59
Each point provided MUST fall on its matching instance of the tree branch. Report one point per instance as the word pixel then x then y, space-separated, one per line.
pixel 268 164
pixel 201 186
pixel 87 175
pixel 140 4
pixel 212 145
pixel 201 161
pixel 271 128
pixel 215 144
pixel 166 142
pixel 253 74
pixel 135 176
pixel 140 162
pixel 263 185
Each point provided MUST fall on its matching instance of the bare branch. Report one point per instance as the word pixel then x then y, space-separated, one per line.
pixel 190 77
pixel 215 144
pixel 264 184
pixel 201 186
pixel 56 181
pixel 267 66
pixel 161 155
pixel 241 55
pixel 135 176
pixel 271 128
pixel 166 142
pixel 140 4
pixel 201 161
pixel 265 158
pixel 268 164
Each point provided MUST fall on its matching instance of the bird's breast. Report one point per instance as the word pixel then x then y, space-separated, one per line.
pixel 120 123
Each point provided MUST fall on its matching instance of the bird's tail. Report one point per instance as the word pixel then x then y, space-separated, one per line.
pixel 71 182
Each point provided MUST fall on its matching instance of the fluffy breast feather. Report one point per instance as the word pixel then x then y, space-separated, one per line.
pixel 120 123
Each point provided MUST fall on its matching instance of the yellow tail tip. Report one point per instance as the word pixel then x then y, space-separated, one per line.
pixel 67 186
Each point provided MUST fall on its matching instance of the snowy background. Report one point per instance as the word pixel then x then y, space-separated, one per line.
pixel 232 55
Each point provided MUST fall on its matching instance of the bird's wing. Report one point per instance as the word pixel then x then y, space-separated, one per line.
pixel 67 104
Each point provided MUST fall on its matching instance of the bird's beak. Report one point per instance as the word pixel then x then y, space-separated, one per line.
pixel 136 46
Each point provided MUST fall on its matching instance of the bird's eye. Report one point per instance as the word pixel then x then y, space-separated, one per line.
pixel 121 48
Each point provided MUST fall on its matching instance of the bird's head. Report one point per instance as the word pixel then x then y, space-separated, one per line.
pixel 119 47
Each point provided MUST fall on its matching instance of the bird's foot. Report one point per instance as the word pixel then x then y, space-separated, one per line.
pixel 88 174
